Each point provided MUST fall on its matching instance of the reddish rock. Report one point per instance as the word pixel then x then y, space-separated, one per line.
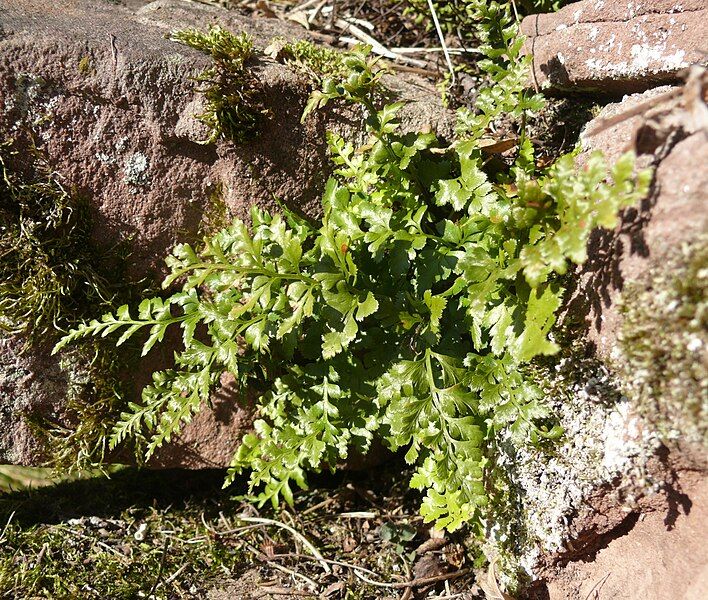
pixel 656 555
pixel 674 214
pixel 111 103
pixel 616 47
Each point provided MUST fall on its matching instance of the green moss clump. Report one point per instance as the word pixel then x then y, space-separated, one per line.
pixel 316 62
pixel 664 340
pixel 85 67
pixel 95 397
pixel 51 277
pixel 234 107
pixel 48 273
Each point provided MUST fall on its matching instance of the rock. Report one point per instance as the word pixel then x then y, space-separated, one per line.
pixel 615 47
pixel 110 103
pixel 673 215
pixel 631 468
pixel 670 550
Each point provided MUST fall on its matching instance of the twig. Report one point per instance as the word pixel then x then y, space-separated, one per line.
pixel 359 570
pixel 376 46
pixel 435 49
pixel 427 580
pixel 305 542
pixel 271 561
pixel 284 569
pixel 598 586
pixel 281 591
pixel 175 575
pixel 362 36
pixel 161 568
pixel 303 6
pixel 448 60
pixel 317 506
pixel 338 563
pixel 605 123
pixel 316 11
pixel 7 526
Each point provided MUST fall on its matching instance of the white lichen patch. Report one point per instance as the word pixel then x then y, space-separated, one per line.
pixel 136 169
pixel 33 102
pixel 105 158
pixel 604 442
pixel 648 58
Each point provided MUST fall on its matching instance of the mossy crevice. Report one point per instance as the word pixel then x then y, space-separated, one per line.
pixel 48 266
pixel 232 92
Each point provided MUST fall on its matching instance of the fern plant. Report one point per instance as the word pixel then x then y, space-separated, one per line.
pixel 404 314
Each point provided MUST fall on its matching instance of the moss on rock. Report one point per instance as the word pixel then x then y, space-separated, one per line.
pixel 663 358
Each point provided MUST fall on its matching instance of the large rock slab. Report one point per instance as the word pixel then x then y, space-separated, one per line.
pixel 616 47
pixel 627 482
pixel 110 103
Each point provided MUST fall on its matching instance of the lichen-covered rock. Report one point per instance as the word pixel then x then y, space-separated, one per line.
pixel 615 47
pixel 110 102
pixel 634 401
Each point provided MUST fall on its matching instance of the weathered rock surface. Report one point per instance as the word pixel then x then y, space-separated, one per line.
pixel 674 214
pixel 616 47
pixel 660 554
pixel 628 487
pixel 110 102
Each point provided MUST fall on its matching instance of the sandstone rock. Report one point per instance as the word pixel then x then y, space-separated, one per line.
pixel 634 461
pixel 615 47
pixel 111 104
pixel 668 547
pixel 673 215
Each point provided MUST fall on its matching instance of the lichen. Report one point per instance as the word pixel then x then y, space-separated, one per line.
pixel 136 169
pixel 605 442
pixel 663 353
pixel 615 417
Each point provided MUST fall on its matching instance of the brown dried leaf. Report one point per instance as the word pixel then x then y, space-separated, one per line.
pixel 349 544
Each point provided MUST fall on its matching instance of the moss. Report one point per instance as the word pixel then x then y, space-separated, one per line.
pixel 85 67
pixel 51 277
pixel 48 266
pixel 215 214
pixel 179 533
pixel 133 542
pixel 233 94
pixel 95 397
pixel 316 62
pixel 664 343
